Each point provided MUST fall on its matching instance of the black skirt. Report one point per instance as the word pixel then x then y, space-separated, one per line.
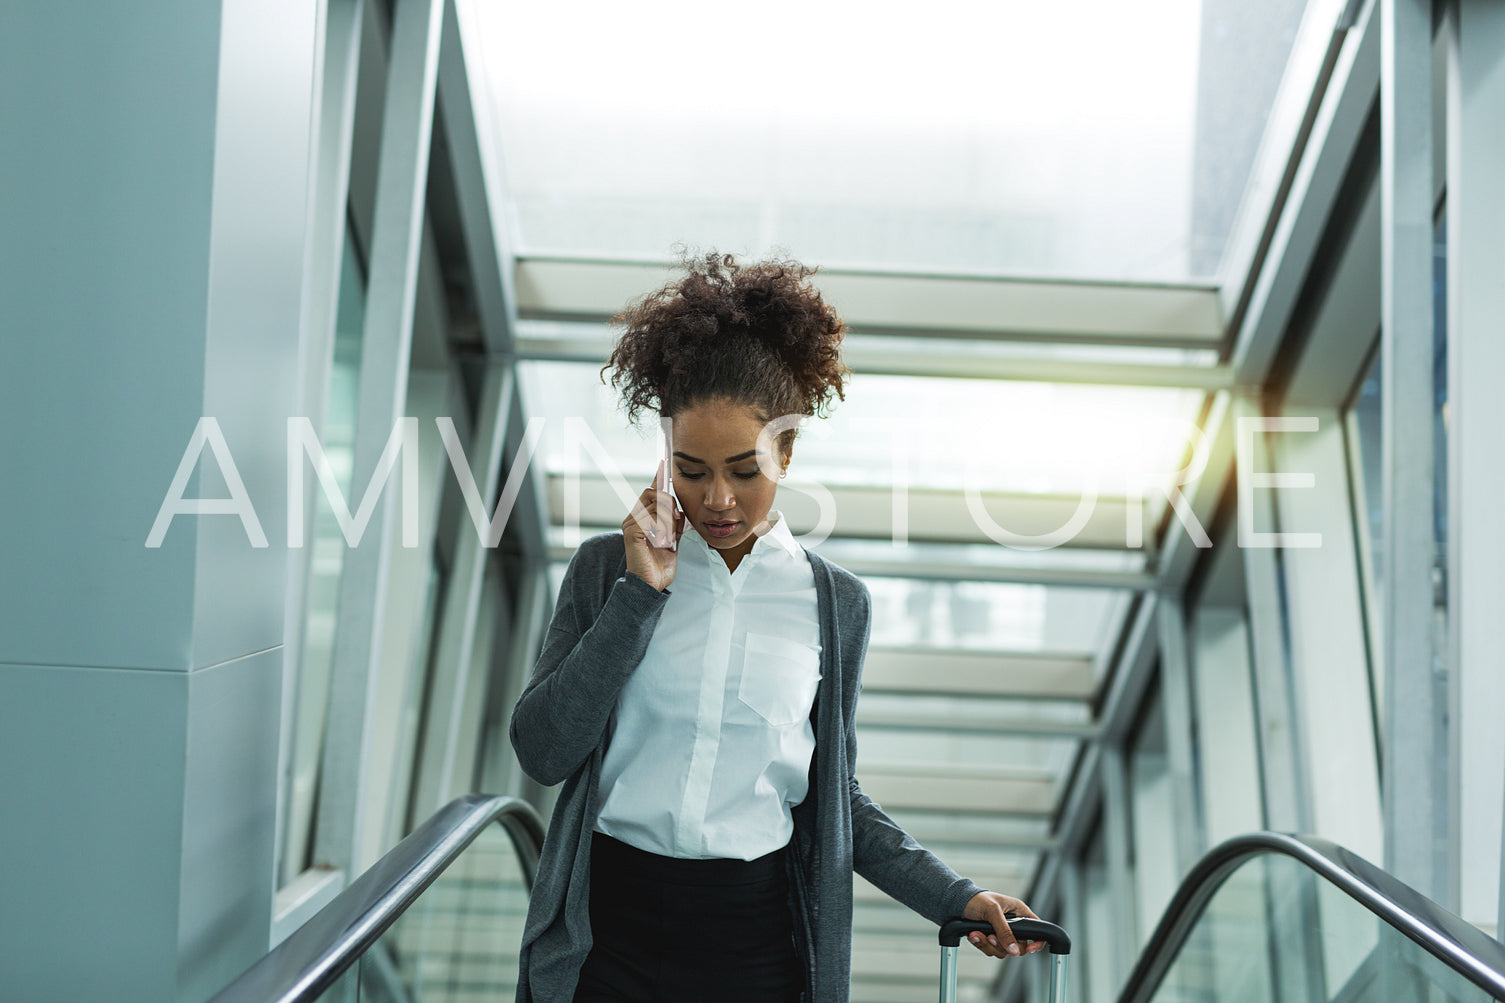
pixel 672 929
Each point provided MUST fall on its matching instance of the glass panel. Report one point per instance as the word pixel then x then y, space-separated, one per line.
pixel 993 615
pixel 1227 956
pixel 1000 436
pixel 405 761
pixel 317 657
pixel 1367 441
pixel 1022 138
pixel 1224 722
pixel 1152 809
pixel 1100 931
pixel 407 627
pixel 1274 931
pixel 460 940
pixel 997 435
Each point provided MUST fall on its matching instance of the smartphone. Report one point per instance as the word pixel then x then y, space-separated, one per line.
pixel 665 478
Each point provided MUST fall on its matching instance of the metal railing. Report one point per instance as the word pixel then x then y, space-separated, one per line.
pixel 315 955
pixel 1456 943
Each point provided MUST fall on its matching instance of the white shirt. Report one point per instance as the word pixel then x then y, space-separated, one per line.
pixel 711 738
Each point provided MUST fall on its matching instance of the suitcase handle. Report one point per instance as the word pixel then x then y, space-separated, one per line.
pixel 1055 938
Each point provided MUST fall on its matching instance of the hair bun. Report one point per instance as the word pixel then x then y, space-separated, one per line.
pixel 758 333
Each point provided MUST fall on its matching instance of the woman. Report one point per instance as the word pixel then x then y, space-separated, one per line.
pixel 703 844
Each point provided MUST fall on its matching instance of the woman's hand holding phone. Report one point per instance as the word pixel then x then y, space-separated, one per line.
pixel 652 530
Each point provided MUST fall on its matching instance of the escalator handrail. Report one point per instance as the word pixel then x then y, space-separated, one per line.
pixel 318 952
pixel 1460 945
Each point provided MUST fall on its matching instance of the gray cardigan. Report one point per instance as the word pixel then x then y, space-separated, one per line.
pixel 561 727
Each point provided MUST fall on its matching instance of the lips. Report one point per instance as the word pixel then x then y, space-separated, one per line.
pixel 722 528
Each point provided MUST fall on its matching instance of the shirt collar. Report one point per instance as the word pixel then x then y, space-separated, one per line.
pixel 779 534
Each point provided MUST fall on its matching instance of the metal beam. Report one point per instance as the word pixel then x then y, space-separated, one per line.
pixel 1476 478
pixel 925 568
pixel 407 129
pixel 1117 824
pixel 441 774
pixel 1337 337
pixel 1182 547
pixel 1415 791
pixel 493 761
pixel 1187 316
pixel 408 635
pixel 938 356
pixel 478 179
pixel 1351 92
pixel 959 788
pixel 1303 88
pixel 971 724
pixel 1132 675
pixel 936 515
pixel 1073 909
pixel 1287 801
pixel 979 829
pixel 978 673
pixel 1329 653
pixel 1228 742
pixel 531 511
pixel 334 116
pixel 1083 800
pixel 481 193
pixel 1078 808
pixel 533 609
pixel 972 572
pixel 1176 700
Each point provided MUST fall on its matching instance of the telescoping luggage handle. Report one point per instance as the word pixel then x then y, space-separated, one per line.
pixel 1056 941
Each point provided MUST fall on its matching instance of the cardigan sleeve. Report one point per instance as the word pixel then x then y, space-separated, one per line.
pixel 882 852
pixel 564 708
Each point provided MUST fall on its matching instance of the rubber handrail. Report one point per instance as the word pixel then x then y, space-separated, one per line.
pixel 318 952
pixel 1454 941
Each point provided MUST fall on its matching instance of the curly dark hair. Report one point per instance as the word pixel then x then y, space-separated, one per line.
pixel 756 334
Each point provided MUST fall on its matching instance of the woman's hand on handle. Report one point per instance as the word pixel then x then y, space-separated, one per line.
pixel 994 908
pixel 648 556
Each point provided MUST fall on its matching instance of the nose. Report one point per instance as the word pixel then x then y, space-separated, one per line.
pixel 718 495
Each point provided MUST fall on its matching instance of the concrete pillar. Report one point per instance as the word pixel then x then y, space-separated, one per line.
pixel 152 217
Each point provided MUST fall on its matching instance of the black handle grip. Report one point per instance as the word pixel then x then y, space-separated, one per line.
pixel 953 930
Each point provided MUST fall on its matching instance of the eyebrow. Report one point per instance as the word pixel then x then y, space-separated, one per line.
pixel 729 459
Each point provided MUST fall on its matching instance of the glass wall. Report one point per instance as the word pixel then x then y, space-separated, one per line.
pixel 1099 928
pixel 1153 809
pixel 1224 722
pixel 328 542
pixel 1364 421
pixel 618 158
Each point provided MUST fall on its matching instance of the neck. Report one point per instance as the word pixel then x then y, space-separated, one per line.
pixel 733 555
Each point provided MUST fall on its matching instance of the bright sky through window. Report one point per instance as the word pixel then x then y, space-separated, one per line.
pixel 1028 138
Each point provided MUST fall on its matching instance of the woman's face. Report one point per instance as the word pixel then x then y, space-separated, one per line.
pixel 720 487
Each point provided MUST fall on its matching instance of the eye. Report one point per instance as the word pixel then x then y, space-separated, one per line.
pixel 689 476
pixel 748 477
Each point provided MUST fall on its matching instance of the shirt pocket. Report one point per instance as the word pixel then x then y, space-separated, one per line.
pixel 779 678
